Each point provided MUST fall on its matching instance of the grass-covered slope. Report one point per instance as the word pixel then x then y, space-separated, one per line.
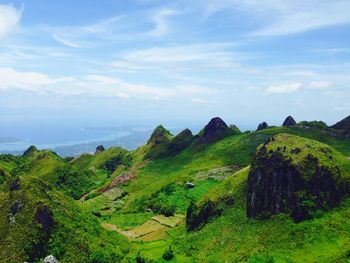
pixel 37 220
pixel 130 192
pixel 233 237
pixel 296 175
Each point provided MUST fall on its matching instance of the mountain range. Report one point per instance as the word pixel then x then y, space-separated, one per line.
pixel 277 194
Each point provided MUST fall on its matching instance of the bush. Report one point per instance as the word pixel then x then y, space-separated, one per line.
pixel 168 253
pixel 139 258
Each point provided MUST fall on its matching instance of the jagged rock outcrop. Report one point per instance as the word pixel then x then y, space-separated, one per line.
pixel 289 121
pixel 262 126
pixel 99 149
pixel 215 130
pixel 163 144
pixel 157 145
pixel 31 150
pixel 289 175
pixel 180 142
pixel 343 125
pixel 159 135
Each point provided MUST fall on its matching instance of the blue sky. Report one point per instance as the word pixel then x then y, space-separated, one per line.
pixel 166 61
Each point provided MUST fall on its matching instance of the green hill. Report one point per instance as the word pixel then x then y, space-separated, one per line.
pixel 190 192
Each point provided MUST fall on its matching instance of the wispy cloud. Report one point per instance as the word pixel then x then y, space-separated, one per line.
pixel 285 17
pixel 284 88
pixel 34 81
pixel 160 20
pixel 9 19
pixel 319 85
pixel 181 57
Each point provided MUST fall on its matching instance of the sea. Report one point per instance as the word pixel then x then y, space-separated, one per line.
pixel 74 138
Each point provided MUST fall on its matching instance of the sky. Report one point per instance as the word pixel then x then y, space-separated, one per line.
pixel 186 61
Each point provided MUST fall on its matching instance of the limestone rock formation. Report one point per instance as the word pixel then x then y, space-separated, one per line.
pixel 99 149
pixel 343 125
pixel 32 149
pixel 159 135
pixel 289 121
pixel 295 176
pixel 50 259
pixel 262 126
pixel 180 142
pixel 215 130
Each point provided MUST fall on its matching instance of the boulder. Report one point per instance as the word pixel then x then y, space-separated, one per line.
pixel 50 259
pixel 190 185
pixel 99 149
pixel 262 126
pixel 289 122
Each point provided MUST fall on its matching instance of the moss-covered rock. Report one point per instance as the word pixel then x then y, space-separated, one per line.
pixel 31 150
pixel 297 176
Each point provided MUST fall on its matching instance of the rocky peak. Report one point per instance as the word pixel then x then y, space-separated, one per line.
pixel 343 125
pixel 215 130
pixel 32 149
pixel 289 121
pixel 262 126
pixel 160 135
pixel 99 149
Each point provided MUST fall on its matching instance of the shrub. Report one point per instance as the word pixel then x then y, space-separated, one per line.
pixel 168 253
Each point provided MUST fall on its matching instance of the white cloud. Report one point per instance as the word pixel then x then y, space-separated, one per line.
pixel 320 85
pixel 284 88
pixel 61 39
pixel 10 78
pixel 116 85
pixel 199 101
pixel 279 17
pixel 160 20
pixel 189 57
pixel 9 19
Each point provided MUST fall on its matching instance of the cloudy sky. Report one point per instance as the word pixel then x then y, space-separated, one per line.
pixel 183 60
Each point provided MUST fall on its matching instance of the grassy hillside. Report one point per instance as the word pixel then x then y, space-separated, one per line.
pixel 144 195
pixel 36 220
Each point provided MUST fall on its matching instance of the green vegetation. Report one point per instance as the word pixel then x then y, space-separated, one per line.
pixel 178 198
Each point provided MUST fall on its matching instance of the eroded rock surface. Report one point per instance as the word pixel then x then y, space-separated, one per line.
pixel 289 180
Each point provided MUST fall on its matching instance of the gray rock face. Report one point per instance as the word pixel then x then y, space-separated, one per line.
pixel 289 121
pixel 276 185
pixel 262 126
pixel 343 125
pixel 44 217
pixel 99 149
pixel 215 130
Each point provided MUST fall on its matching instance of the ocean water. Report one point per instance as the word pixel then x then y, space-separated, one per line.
pixel 69 139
